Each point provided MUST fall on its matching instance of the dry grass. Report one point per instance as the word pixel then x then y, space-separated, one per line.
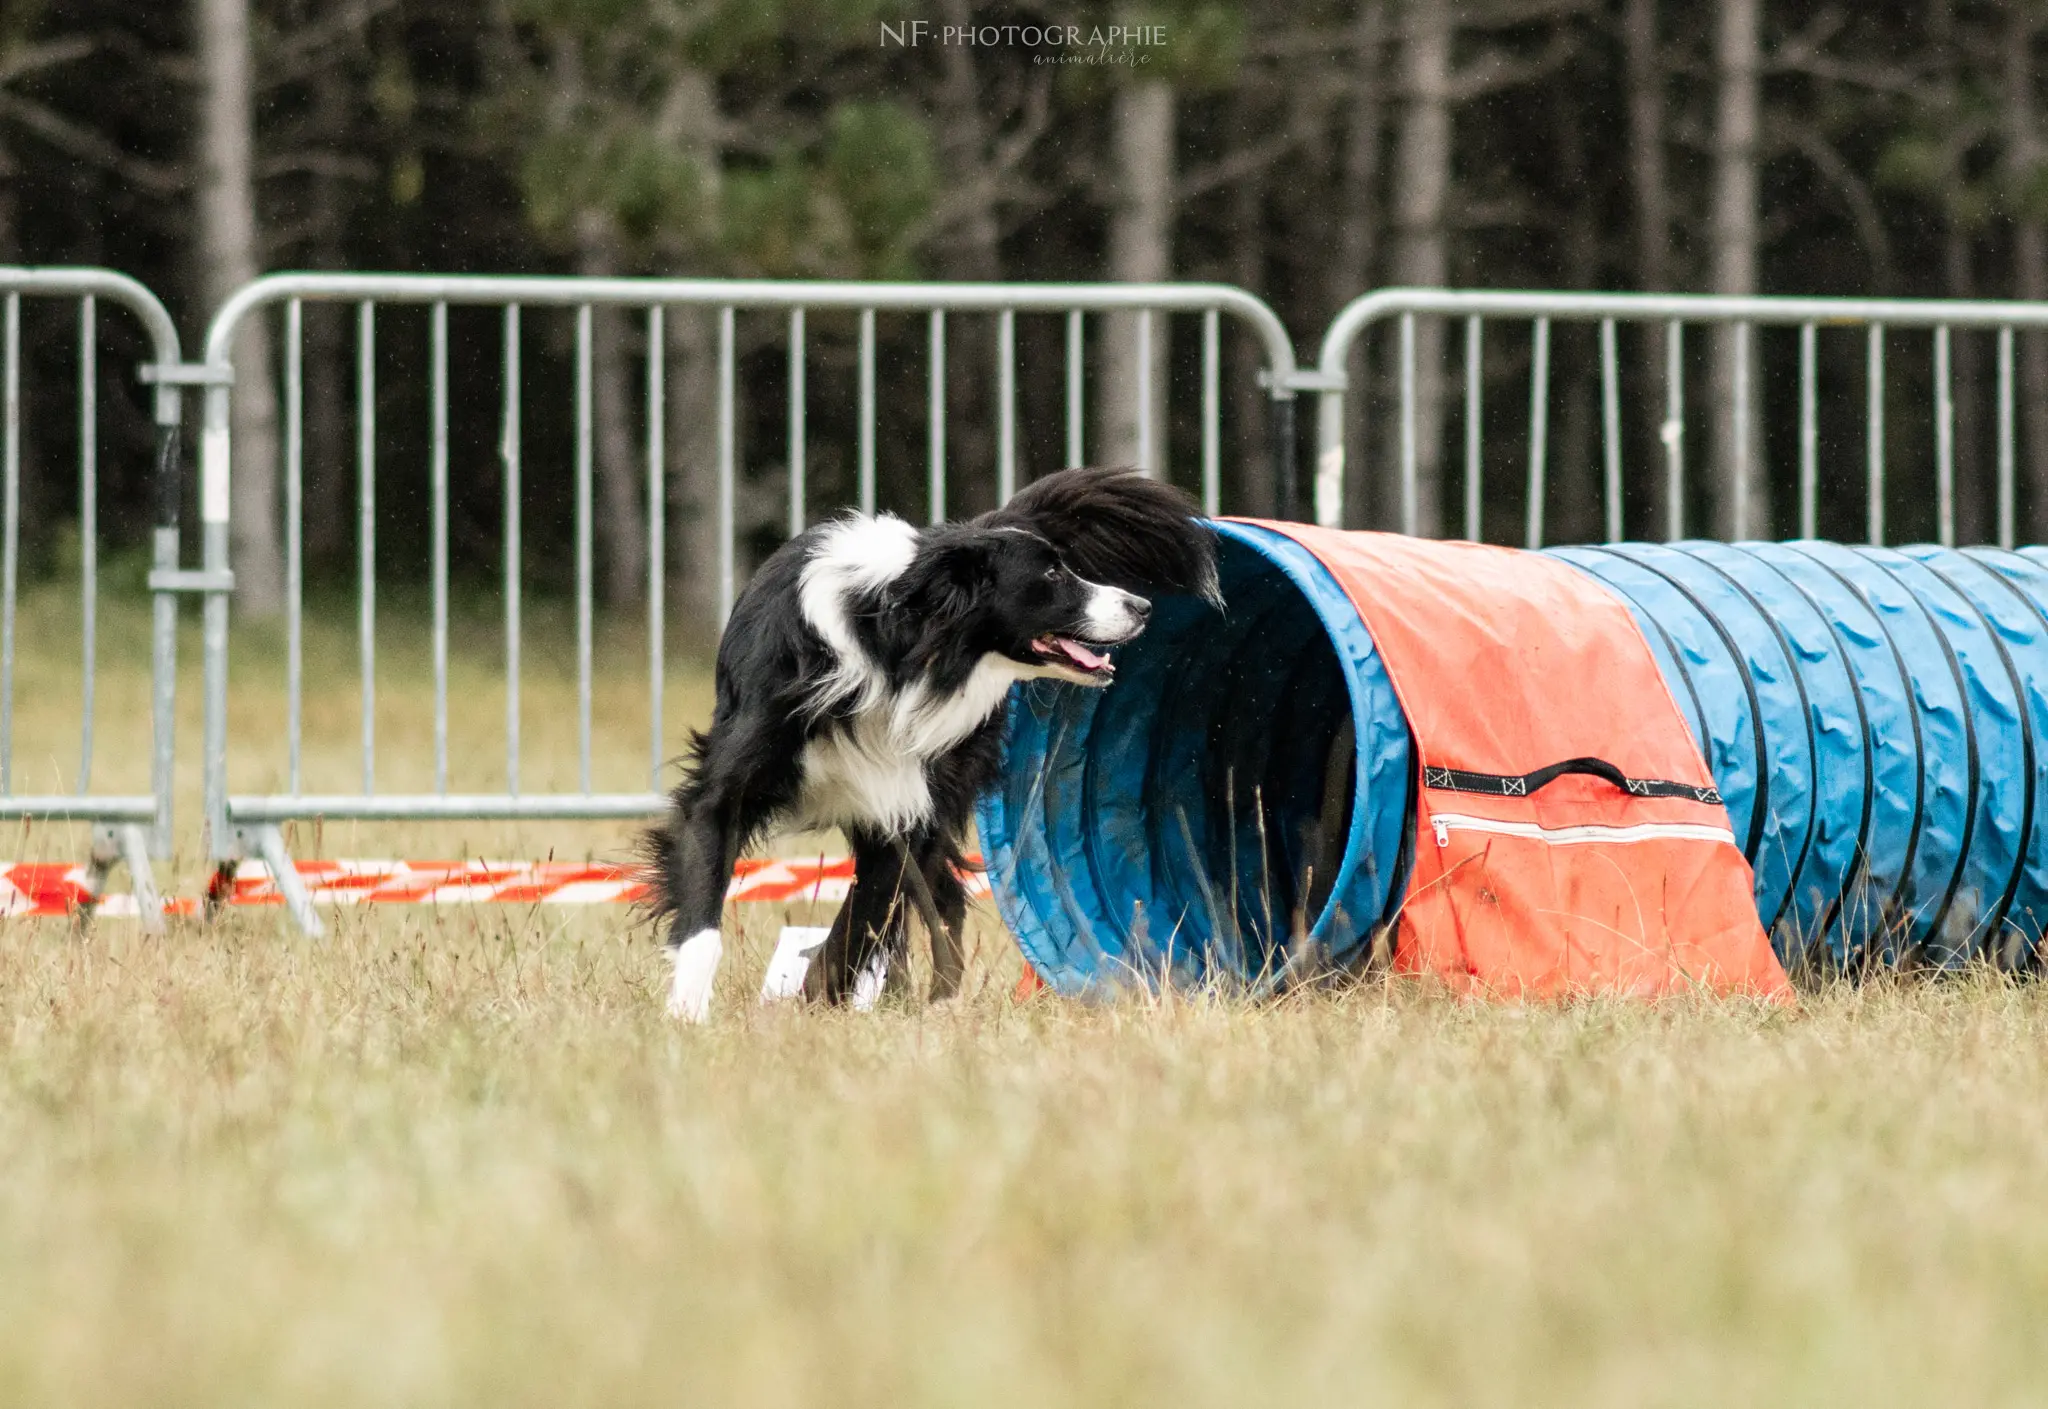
pixel 459 1157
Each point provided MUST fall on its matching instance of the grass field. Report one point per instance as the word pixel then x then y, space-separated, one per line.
pixel 458 1157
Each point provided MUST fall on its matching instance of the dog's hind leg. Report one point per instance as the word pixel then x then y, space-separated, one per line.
pixel 946 897
pixel 871 924
pixel 697 860
pixel 694 850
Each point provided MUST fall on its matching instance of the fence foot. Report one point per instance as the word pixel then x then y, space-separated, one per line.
pixel 125 845
pixel 105 853
pixel 149 901
pixel 298 901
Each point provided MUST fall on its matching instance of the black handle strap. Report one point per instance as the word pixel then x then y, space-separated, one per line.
pixel 1459 780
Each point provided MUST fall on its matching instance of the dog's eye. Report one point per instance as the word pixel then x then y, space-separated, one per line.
pixel 1052 574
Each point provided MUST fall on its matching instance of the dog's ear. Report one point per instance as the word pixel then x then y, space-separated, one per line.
pixel 949 573
pixel 1118 527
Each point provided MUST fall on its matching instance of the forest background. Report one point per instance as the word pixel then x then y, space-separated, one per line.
pixel 1307 151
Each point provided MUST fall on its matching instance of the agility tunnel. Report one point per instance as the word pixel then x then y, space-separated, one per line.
pixel 1246 790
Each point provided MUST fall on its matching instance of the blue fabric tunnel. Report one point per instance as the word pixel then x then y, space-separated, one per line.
pixel 1875 720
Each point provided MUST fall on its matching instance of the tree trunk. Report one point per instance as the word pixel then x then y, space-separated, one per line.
pixel 230 255
pixel 621 531
pixel 692 374
pixel 10 174
pixel 1652 196
pixel 970 249
pixel 1652 191
pixel 1973 469
pixel 329 480
pixel 1422 180
pixel 1734 235
pixel 1140 251
pixel 691 387
pixel 1250 464
pixel 1576 502
pixel 2023 156
pixel 2030 260
pixel 1358 233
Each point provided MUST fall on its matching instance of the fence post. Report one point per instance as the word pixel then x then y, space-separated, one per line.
pixel 215 446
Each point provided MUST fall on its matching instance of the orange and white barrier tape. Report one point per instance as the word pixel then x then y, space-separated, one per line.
pixel 56 889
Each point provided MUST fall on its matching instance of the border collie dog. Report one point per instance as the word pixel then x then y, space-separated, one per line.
pixel 861 683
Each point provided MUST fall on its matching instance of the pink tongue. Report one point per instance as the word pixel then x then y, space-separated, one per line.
pixel 1080 654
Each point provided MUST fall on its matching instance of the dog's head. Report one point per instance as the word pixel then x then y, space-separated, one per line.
pixel 1006 590
pixel 1063 572
pixel 1119 528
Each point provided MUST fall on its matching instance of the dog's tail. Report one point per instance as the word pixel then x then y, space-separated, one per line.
pixel 1120 528
pixel 656 855
pixel 655 861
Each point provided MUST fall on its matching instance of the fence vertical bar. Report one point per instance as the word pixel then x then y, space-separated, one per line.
pixel 2006 528
pixel 10 524
pixel 799 443
pixel 216 451
pixel 1212 413
pixel 1809 431
pixel 1475 411
pixel 1672 432
pixel 935 417
pixel 1076 376
pixel 1539 431
pixel 294 536
pixel 366 532
pixel 585 431
pixel 1409 511
pixel 88 525
pixel 728 469
pixel 1146 461
pixel 867 410
pixel 1944 442
pixel 1006 405
pixel 439 477
pixel 657 540
pixel 1610 426
pixel 509 453
pixel 1738 435
pixel 168 490
pixel 1873 434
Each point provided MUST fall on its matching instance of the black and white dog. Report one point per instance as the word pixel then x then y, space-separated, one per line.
pixel 860 685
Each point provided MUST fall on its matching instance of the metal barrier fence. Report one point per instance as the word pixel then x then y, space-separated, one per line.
pixel 241 824
pixel 127 830
pixel 131 829
pixel 1673 312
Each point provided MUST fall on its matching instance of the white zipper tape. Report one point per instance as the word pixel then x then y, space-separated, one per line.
pixel 1444 823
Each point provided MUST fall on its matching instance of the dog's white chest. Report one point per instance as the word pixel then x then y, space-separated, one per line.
pixel 861 776
pixel 874 772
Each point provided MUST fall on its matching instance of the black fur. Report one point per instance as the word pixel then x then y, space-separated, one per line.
pixel 999 584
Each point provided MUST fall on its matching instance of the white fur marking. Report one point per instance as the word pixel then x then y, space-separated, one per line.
pixel 859 774
pixel 1109 615
pixel 867 986
pixel 873 770
pixel 793 954
pixel 689 995
pixel 930 726
pixel 854 555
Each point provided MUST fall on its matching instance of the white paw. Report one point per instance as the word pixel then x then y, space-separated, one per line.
pixel 793 954
pixel 689 994
pixel 867 985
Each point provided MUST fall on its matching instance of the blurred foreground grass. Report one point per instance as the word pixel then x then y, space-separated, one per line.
pixel 458 1157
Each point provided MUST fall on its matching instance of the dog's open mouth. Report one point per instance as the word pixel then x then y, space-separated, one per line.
pixel 1066 651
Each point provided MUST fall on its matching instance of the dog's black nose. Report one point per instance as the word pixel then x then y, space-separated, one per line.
pixel 1140 608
